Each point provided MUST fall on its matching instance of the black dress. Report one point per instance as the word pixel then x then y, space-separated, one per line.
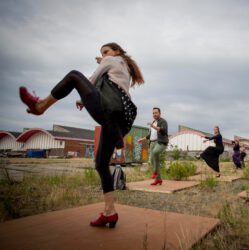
pixel 118 109
pixel 211 154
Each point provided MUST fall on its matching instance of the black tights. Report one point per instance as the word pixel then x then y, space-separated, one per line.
pixel 91 99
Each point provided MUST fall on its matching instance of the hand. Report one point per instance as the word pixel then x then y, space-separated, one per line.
pixel 98 59
pixel 205 141
pixel 140 140
pixel 79 105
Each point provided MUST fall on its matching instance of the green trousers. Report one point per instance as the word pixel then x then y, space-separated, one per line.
pixel 155 150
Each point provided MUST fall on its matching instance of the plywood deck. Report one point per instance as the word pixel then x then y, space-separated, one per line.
pixel 244 195
pixel 225 178
pixel 69 229
pixel 167 187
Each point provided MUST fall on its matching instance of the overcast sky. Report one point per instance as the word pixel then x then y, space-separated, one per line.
pixel 194 55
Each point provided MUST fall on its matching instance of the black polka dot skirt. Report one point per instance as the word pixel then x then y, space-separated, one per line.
pixel 129 108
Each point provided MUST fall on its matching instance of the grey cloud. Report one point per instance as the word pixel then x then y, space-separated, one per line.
pixel 193 54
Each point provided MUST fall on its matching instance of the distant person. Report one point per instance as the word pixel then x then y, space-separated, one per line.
pixel 158 141
pixel 106 98
pixel 242 155
pixel 236 154
pixel 211 154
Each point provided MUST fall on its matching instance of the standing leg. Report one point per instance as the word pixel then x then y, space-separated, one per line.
pixel 158 149
pixel 152 158
pixel 105 151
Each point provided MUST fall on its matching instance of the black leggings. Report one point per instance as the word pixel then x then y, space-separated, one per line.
pixel 91 99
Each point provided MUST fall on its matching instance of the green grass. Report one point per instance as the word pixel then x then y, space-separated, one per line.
pixel 246 171
pixel 181 170
pixel 209 182
pixel 37 194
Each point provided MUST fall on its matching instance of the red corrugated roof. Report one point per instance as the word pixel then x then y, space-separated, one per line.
pixel 5 133
pixel 27 134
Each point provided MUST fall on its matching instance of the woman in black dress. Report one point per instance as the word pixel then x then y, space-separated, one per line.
pixel 211 154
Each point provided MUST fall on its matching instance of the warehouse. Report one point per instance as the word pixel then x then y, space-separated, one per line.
pixel 62 141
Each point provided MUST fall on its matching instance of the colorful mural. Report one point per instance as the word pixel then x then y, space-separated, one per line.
pixel 89 151
pixel 133 151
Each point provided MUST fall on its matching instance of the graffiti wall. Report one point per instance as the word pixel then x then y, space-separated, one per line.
pixel 89 151
pixel 132 151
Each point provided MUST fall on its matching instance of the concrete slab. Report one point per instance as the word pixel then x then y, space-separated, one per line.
pixel 136 229
pixel 167 187
pixel 226 178
pixel 244 194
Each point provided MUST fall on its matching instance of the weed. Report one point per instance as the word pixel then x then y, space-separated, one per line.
pixel 6 176
pixel 246 172
pixel 91 178
pixel 176 153
pixel 181 170
pixel 227 216
pixel 225 159
pixel 136 174
pixel 209 182
pixel 245 186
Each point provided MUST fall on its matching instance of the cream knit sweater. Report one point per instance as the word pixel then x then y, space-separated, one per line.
pixel 117 71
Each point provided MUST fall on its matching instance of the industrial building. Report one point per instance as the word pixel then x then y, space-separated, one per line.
pixel 62 141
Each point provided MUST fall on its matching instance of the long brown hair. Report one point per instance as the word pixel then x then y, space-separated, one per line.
pixel 136 75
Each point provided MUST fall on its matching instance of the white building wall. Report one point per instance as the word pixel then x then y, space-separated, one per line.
pixel 188 141
pixel 43 141
pixel 9 143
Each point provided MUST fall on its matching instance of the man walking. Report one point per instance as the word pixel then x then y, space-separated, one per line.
pixel 158 141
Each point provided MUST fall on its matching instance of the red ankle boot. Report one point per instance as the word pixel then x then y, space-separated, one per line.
pixel 154 175
pixel 103 220
pixel 29 100
pixel 156 182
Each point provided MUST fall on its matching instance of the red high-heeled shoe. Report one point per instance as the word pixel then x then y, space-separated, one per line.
pixel 154 175
pixel 103 220
pixel 156 182
pixel 29 100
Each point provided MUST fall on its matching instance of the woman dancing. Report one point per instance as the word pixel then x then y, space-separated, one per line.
pixel 236 154
pixel 211 154
pixel 106 97
pixel 242 155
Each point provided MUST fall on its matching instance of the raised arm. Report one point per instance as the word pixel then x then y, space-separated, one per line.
pixel 105 64
pixel 212 137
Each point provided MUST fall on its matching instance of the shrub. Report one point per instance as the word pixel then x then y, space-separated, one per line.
pixel 225 159
pixel 210 182
pixel 91 177
pixel 227 216
pixel 246 172
pixel 176 153
pixel 181 170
